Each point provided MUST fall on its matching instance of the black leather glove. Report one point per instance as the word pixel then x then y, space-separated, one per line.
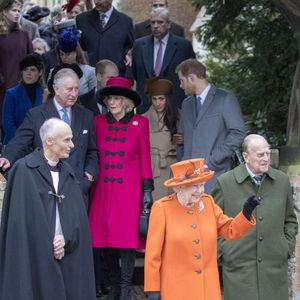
pixel 147 187
pixel 249 206
pixel 153 295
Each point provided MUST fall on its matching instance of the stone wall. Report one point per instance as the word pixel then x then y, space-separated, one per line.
pixel 181 12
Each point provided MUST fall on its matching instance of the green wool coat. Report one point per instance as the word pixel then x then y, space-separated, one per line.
pixel 255 267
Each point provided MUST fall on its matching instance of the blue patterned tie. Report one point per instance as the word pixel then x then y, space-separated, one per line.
pixel 198 104
pixel 65 116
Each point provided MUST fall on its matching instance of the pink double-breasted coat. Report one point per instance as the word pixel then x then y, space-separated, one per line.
pixel 124 161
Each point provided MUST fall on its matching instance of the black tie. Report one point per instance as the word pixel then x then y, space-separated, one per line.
pixel 198 104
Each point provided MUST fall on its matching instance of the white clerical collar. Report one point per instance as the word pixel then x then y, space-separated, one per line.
pixel 51 162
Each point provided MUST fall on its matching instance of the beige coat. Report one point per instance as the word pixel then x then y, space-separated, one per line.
pixel 163 153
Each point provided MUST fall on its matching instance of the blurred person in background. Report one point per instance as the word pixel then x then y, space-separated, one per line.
pixel 69 52
pixel 163 118
pixel 73 8
pixel 27 94
pixel 15 44
pixel 40 46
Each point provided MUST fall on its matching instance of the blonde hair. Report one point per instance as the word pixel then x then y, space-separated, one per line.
pixel 6 26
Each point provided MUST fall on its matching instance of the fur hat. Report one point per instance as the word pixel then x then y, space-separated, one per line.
pixel 158 86
pixel 189 172
pixel 119 86
pixel 33 59
pixel 68 39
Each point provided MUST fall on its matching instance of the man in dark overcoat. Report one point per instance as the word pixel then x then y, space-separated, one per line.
pixel 255 267
pixel 84 156
pixel 45 247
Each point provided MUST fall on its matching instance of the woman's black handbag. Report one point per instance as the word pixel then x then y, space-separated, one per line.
pixel 143 223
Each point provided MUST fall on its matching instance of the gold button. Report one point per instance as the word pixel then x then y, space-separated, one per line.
pixel 196 241
pixel 198 271
pixel 190 212
pixel 194 226
pixel 198 256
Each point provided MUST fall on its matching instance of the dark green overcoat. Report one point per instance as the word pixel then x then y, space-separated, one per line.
pixel 255 267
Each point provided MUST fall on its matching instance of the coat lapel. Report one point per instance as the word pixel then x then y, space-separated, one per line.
pixel 170 51
pixel 112 20
pixel 208 100
pixel 93 19
pixel 148 49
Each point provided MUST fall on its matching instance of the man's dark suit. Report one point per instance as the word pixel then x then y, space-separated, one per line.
pixel 89 101
pixel 144 28
pixel 84 155
pixel 177 50
pixel 112 42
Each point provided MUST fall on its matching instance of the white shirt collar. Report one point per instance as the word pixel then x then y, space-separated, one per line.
pixel 164 39
pixel 204 93
pixel 108 14
pixel 59 107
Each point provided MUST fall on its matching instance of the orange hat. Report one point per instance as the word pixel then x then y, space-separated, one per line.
pixel 189 172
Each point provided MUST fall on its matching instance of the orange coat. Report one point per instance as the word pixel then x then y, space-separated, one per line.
pixel 181 249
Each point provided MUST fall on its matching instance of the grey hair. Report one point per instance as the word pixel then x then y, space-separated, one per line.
pixel 161 12
pixel 250 141
pixel 60 76
pixel 43 42
pixel 51 128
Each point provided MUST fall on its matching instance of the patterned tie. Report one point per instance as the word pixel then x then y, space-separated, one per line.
pixel 102 19
pixel 65 116
pixel 257 179
pixel 158 61
pixel 198 104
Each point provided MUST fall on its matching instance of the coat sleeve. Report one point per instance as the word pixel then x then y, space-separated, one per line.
pixel 8 116
pixel 154 248
pixel 22 143
pixel 235 130
pixel 290 222
pixel 144 148
pixel 91 159
pixel 232 228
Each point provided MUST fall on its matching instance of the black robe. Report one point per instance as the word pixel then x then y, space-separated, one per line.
pixel 28 269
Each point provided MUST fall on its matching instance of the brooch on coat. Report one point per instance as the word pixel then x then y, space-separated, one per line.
pixel 200 206
pixel 135 123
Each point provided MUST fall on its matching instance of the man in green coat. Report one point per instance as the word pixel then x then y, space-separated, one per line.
pixel 255 267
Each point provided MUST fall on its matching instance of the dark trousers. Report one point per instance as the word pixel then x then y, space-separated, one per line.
pixel 100 267
pixel 120 275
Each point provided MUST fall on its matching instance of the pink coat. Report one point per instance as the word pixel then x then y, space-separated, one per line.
pixel 124 161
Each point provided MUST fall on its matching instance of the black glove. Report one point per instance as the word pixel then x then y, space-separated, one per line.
pixel 249 206
pixel 147 187
pixel 153 295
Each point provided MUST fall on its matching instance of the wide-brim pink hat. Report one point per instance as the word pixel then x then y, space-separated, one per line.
pixel 189 172
pixel 120 86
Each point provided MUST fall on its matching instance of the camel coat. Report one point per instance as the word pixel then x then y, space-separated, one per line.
pixel 181 249
pixel 163 153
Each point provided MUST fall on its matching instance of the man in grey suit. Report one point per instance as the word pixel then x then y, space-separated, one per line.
pixel 211 120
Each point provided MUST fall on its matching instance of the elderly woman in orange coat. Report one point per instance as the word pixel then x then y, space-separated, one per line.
pixel 181 249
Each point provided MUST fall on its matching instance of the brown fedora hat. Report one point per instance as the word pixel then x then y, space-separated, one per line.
pixel 189 172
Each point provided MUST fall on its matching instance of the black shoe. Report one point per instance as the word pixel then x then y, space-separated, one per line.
pixel 104 288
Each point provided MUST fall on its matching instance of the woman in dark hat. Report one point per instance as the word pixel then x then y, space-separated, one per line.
pixel 14 45
pixel 27 94
pixel 69 52
pixel 163 118
pixel 124 183
pixel 181 252
pixel 73 8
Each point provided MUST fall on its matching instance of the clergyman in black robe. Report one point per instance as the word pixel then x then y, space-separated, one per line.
pixel 30 267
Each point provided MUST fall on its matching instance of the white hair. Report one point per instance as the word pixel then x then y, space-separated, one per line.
pixel 59 77
pixel 51 128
